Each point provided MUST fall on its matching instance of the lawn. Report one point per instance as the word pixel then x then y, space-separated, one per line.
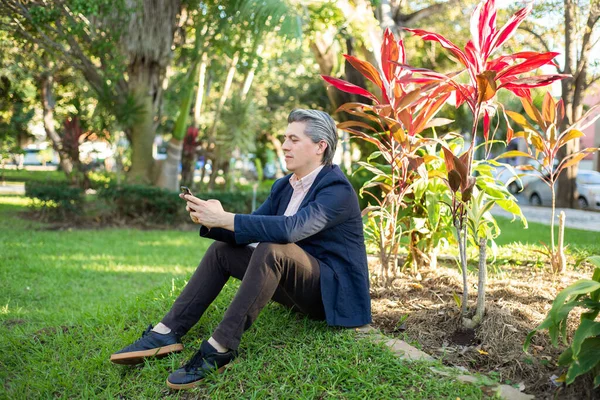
pixel 68 299
pixel 513 232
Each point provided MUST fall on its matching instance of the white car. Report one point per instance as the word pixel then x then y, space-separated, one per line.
pixel 588 185
pixel 514 184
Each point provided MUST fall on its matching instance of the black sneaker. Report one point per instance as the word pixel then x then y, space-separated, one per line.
pixel 151 344
pixel 206 360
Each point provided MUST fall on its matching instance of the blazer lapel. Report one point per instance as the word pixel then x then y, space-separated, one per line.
pixel 326 169
pixel 284 198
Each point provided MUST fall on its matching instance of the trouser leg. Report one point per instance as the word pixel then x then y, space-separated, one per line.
pixel 282 272
pixel 220 261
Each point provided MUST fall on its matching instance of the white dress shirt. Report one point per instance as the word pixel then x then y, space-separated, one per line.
pixel 301 187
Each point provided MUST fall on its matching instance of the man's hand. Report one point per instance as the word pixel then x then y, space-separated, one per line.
pixel 209 213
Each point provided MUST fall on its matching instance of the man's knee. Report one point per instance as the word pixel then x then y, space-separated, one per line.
pixel 218 251
pixel 218 247
pixel 269 254
pixel 268 248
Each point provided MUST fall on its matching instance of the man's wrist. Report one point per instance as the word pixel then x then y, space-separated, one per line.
pixel 229 221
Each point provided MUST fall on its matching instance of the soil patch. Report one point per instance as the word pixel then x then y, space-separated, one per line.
pixel 421 310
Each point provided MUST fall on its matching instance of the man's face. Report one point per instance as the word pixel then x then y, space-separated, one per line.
pixel 302 155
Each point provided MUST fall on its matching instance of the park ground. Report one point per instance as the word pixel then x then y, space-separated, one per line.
pixel 71 297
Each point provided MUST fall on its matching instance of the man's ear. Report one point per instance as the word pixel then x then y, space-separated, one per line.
pixel 322 146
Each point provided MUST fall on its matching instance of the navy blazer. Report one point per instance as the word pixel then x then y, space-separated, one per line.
pixel 328 226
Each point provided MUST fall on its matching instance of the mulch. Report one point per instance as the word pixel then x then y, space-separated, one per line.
pixel 421 310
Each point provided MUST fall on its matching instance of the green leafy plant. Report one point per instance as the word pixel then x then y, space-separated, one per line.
pixel 156 205
pixel 583 354
pixel 544 143
pixel 411 96
pixel 55 200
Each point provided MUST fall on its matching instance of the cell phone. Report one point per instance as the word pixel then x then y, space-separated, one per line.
pixel 185 190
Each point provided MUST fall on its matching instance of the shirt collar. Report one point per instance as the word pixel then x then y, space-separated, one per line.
pixel 306 182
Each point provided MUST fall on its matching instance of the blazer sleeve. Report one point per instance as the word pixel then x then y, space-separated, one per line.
pixel 227 236
pixel 330 207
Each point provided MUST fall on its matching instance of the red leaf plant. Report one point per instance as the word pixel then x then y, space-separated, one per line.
pixel 410 97
pixel 487 76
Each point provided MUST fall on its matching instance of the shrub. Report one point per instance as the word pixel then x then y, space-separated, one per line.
pixel 164 206
pixel 143 202
pixel 583 354
pixel 55 199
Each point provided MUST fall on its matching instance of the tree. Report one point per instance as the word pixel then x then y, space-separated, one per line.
pixel 121 48
pixel 578 38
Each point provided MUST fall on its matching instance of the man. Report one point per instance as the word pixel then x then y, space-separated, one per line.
pixel 303 248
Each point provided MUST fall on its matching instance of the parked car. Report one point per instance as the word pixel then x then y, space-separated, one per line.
pixel 514 185
pixel 588 185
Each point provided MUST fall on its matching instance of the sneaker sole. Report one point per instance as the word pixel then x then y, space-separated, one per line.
pixel 193 384
pixel 138 357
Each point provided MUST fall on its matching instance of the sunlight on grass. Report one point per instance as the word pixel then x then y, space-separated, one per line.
pixel 71 298
pixel 15 200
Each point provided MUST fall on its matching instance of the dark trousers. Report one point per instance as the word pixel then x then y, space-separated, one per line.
pixel 281 272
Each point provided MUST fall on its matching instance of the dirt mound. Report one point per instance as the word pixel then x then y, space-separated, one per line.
pixel 422 310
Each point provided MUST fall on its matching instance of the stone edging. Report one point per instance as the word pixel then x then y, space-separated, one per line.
pixel 405 351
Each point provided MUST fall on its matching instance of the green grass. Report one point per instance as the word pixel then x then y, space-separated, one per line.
pixel 513 232
pixel 68 299
pixel 13 175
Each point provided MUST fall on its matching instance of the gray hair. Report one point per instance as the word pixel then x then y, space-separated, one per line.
pixel 319 126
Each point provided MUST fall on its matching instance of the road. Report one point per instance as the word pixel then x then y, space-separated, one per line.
pixel 578 219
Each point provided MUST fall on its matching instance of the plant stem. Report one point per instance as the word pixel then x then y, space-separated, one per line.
pixel 479 313
pixel 463 263
pixel 560 257
pixel 553 215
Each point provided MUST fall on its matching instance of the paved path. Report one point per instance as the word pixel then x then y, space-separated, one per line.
pixel 578 219
pixel 12 188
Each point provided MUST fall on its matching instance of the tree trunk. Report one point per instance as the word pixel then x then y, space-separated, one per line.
pixel 169 172
pixel 216 165
pixel 147 45
pixel 250 75
pixel 46 82
pixel 142 78
pixel 280 154
pixel 200 92
pixel 576 64
pixel 224 95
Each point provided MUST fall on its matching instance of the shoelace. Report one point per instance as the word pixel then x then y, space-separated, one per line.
pixel 145 333
pixel 194 362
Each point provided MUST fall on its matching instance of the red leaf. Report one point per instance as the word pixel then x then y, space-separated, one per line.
pixel 430 36
pixel 509 130
pixel 510 27
pixel 533 81
pixel 473 56
pixel 431 108
pixel 367 69
pixel 389 53
pixel 548 108
pixel 522 93
pixel 530 64
pixel 407 120
pixel 353 124
pixel 486 125
pixel 367 138
pixel 483 26
pixel 560 111
pixel 349 87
